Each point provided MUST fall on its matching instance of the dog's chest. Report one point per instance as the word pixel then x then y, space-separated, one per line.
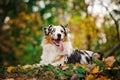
pixel 54 50
pixel 51 51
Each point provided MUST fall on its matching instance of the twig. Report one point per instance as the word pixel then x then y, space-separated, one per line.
pixel 111 52
pixel 115 22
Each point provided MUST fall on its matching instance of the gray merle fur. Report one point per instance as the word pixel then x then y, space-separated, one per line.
pixel 76 57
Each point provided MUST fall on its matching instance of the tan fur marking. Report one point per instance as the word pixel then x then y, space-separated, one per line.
pixel 59 58
pixel 48 40
pixel 65 39
pixel 54 29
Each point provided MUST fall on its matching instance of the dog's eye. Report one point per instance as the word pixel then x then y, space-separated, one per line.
pixel 53 30
pixel 62 31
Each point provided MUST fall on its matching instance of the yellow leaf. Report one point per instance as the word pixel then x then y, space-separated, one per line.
pixel 10 68
pixel 90 77
pixel 95 70
pixel 80 65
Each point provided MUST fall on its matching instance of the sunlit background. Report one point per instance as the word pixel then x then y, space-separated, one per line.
pixel 94 25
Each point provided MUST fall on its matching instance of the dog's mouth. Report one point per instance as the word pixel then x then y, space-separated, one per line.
pixel 59 43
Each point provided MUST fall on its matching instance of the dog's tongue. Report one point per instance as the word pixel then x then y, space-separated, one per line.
pixel 59 44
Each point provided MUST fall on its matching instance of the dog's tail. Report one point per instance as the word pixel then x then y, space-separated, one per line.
pixel 99 55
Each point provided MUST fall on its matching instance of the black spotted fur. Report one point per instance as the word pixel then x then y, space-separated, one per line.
pixel 76 57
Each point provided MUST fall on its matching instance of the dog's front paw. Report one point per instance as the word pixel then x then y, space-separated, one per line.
pixel 55 64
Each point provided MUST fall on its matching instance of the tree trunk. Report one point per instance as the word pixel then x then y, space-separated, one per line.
pixel 2 18
pixel 112 51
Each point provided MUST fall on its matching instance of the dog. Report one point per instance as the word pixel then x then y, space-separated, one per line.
pixel 56 45
pixel 58 49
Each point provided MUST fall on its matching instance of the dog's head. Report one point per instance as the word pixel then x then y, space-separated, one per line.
pixel 56 34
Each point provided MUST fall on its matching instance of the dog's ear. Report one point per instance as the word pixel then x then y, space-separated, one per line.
pixel 46 31
pixel 67 30
pixel 64 29
pixel 50 26
pixel 62 26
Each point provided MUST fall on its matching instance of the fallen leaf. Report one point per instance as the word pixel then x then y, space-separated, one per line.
pixel 80 65
pixel 91 66
pixel 10 68
pixel 90 77
pixel 95 70
pixel 109 61
pixel 20 78
pixel 74 77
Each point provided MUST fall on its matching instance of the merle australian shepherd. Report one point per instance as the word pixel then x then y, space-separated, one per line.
pixel 58 50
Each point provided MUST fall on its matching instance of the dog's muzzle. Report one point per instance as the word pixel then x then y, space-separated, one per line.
pixel 58 42
pixel 59 36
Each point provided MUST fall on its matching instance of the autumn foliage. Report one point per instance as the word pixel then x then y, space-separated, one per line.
pixel 69 71
pixel 22 37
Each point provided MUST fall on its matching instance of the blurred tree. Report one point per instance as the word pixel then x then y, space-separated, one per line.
pixel 115 28
pixel 22 38
pixel 10 8
pixel 84 28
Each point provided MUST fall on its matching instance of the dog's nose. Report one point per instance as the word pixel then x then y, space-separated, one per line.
pixel 59 35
